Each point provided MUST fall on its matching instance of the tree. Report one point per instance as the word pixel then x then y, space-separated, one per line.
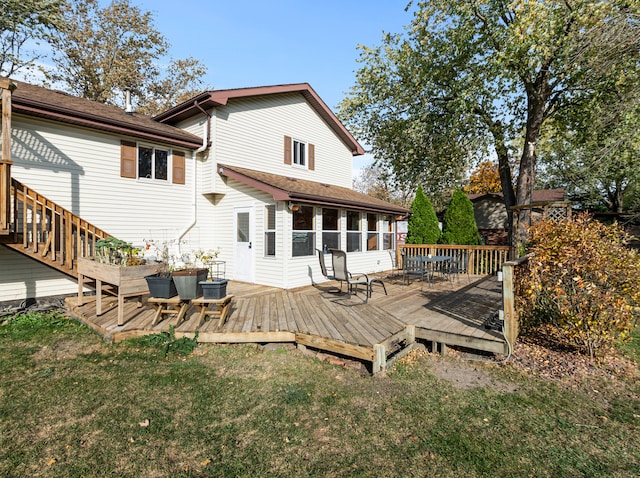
pixel 596 156
pixel 423 225
pixel 484 179
pixel 101 52
pixel 375 181
pixel 22 21
pixel 469 75
pixel 459 226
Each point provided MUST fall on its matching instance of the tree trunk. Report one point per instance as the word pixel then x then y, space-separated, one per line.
pixel 536 100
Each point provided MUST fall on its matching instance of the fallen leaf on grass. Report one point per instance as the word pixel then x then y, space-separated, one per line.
pixel 144 423
pixel 52 462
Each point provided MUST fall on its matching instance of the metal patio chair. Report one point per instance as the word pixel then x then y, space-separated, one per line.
pixel 341 273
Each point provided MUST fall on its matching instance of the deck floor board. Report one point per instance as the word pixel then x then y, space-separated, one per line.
pixel 456 308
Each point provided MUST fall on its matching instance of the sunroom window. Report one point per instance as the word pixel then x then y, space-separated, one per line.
pixel 387 232
pixel 354 236
pixel 372 232
pixel 330 229
pixel 303 234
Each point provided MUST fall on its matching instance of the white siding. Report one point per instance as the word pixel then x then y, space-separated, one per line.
pixel 80 170
pixel 250 133
pixel 22 277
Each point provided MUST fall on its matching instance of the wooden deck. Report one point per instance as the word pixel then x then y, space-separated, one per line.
pixel 377 331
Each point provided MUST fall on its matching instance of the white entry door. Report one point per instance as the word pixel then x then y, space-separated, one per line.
pixel 243 269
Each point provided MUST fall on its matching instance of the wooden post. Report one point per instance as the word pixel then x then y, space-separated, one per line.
pixel 511 321
pixel 6 88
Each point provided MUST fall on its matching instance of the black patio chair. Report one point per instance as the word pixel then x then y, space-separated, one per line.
pixel 414 267
pixel 459 264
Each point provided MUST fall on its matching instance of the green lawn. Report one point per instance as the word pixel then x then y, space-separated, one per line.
pixel 73 406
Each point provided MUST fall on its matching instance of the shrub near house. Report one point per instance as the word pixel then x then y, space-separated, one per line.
pixel 582 280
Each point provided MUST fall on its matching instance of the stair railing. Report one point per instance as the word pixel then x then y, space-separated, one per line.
pixel 49 231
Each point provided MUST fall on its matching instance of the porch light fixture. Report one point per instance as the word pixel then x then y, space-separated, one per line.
pixel 293 206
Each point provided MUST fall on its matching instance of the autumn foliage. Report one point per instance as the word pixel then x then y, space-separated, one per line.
pixel 484 179
pixel 581 280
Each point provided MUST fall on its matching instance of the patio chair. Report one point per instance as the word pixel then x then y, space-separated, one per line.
pixel 341 273
pixel 323 269
pixel 414 267
pixel 459 264
pixel 396 268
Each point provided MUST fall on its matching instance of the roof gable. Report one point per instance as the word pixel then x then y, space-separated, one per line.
pixel 62 107
pixel 212 99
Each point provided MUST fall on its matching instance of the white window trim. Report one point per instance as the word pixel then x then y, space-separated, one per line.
pixel 294 154
pixel 169 151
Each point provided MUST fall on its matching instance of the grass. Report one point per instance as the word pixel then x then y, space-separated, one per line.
pixel 73 406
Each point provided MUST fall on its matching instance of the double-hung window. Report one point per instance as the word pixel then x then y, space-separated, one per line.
pixel 354 236
pixel 303 234
pixel 330 229
pixel 153 163
pixel 372 232
pixel 387 232
pixel 148 162
pixel 270 230
pixel 299 153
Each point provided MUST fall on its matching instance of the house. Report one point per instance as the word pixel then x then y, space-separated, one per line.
pixel 262 174
pixel 491 213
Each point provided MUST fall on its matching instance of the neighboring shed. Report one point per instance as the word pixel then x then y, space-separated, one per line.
pixel 491 214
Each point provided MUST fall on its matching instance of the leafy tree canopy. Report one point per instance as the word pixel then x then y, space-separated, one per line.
pixel 469 76
pixel 100 52
pixel 22 24
pixel 484 179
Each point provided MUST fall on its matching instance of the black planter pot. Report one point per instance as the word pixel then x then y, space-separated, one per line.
pixel 216 289
pixel 161 287
pixel 188 282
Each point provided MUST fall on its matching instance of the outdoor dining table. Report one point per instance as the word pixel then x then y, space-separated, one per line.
pixel 433 264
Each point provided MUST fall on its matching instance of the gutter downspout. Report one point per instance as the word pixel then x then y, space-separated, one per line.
pixel 205 145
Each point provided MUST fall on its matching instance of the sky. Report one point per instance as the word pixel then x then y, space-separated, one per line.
pixel 270 42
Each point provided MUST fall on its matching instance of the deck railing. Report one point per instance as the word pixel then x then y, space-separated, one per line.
pixel 483 260
pixel 48 232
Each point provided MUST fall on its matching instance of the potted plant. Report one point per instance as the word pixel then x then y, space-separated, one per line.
pixel 215 287
pixel 161 283
pixel 188 279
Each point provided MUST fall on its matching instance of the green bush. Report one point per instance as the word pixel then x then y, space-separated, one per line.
pixel 583 281
pixel 459 225
pixel 423 225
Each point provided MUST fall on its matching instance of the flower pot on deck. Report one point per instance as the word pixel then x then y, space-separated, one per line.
pixel 216 289
pixel 188 282
pixel 161 286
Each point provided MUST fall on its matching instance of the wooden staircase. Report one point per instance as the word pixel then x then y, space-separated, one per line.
pixel 47 232
pixel 30 223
